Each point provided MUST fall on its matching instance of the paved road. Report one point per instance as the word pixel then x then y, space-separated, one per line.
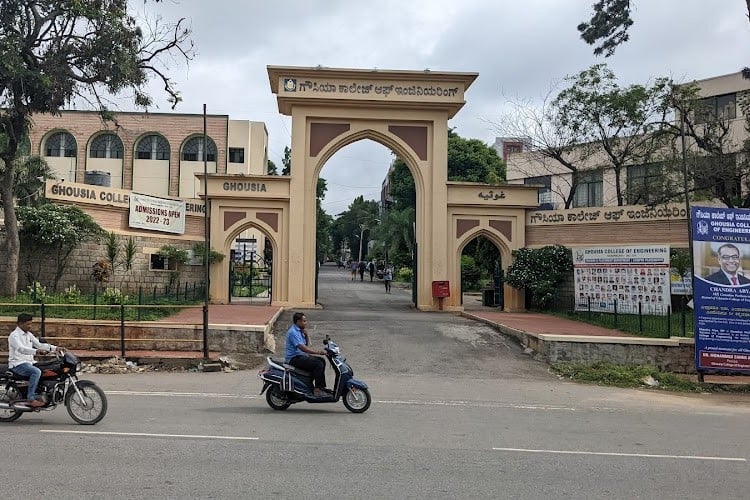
pixel 458 412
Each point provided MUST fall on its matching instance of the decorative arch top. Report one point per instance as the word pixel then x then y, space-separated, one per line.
pixel 376 88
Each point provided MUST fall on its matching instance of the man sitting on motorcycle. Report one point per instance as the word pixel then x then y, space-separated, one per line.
pixel 298 354
pixel 22 346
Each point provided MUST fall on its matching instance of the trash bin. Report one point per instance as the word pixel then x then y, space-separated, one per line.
pixel 488 297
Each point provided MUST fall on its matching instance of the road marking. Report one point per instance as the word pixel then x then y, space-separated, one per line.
pixel 472 404
pixel 143 434
pixel 639 455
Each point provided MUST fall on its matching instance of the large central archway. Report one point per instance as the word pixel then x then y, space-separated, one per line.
pixel 408 112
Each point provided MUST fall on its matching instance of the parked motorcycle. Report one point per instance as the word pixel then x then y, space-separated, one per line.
pixel 84 400
pixel 286 385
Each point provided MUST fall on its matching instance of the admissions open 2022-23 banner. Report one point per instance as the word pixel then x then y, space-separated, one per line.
pixel 721 244
pixel 631 279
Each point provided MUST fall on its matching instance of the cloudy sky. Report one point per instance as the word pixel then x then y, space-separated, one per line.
pixel 519 48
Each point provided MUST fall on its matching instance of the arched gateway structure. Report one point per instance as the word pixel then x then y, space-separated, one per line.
pixel 406 111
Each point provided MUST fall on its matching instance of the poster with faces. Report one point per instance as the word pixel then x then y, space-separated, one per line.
pixel 630 278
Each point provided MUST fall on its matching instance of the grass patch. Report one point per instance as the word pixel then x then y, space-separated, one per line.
pixel 634 375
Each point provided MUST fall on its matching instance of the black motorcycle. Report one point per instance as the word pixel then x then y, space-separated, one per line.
pixel 84 400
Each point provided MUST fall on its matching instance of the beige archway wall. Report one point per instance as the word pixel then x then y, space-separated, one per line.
pixel 407 111
pixel 495 212
pixel 241 201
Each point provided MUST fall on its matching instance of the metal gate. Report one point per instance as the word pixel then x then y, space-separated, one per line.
pixel 250 280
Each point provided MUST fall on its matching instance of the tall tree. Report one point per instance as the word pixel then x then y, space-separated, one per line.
pixel 271 168
pixel 52 52
pixel 620 121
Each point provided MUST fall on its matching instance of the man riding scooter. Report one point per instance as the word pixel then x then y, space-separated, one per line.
pixel 300 355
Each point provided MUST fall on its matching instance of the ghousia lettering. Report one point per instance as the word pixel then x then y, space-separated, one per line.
pixel 385 90
pixel 245 186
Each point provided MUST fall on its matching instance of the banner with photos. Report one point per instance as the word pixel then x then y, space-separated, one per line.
pixel 628 278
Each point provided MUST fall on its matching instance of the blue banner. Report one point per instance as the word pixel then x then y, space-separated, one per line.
pixel 721 286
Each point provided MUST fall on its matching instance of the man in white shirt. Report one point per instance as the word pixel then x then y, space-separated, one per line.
pixel 22 346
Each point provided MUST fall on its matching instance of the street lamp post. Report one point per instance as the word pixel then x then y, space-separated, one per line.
pixel 362 228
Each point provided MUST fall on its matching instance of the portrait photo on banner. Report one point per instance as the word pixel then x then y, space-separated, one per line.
pixel 722 263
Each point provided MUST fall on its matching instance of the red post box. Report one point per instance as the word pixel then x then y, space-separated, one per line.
pixel 441 289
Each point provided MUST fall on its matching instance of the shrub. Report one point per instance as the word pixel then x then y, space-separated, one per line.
pixel 539 271
pixel 72 294
pixel 101 271
pixel 403 274
pixel 470 273
pixel 36 292
pixel 114 296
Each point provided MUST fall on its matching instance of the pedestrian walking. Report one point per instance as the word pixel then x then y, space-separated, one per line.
pixel 387 278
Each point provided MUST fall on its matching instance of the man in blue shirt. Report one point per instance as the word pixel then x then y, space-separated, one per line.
pixel 298 354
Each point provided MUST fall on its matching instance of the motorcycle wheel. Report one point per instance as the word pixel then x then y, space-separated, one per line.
pixel 357 400
pixel 91 409
pixel 277 399
pixel 7 394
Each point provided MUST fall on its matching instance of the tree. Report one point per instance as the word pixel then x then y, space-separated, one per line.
pixel 621 122
pixel 52 232
pixel 471 160
pixel 271 168
pixel 540 271
pixel 609 25
pixel 286 161
pixel 52 52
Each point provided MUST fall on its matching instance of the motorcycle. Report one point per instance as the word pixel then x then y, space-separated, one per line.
pixel 286 385
pixel 85 401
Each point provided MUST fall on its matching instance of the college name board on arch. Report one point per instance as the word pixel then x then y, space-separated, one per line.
pixel 629 279
pixel 157 214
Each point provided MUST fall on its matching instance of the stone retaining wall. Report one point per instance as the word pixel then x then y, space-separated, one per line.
pixel 80 335
pixel 675 354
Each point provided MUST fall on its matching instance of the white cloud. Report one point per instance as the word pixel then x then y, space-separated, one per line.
pixel 518 49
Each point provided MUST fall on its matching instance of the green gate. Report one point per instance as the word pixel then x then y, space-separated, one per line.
pixel 250 280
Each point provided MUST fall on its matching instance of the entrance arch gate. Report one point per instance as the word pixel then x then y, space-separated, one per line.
pixel 406 111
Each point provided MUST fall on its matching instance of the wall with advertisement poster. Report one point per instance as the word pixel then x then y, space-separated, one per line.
pixel 630 278
pixel 721 284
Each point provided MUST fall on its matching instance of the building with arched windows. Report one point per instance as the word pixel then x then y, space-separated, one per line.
pixel 154 154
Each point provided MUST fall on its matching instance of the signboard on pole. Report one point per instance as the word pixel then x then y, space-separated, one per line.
pixel 631 278
pixel 157 214
pixel 721 284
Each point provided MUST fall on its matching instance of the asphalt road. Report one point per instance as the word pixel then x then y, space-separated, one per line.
pixel 458 412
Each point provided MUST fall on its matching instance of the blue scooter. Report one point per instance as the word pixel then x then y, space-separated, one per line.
pixel 285 385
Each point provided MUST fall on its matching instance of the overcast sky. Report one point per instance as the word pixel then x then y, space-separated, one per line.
pixel 519 48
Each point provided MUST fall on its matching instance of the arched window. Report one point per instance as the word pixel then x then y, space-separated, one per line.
pixel 193 150
pixel 152 147
pixel 106 146
pixel 61 144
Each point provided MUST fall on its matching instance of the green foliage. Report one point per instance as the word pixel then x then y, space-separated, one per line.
pixel 635 376
pixel 470 273
pixel 608 25
pixel 36 292
pixel 214 256
pixel 403 274
pixel 173 254
pixel 72 295
pixel 114 296
pixel 620 122
pixel 471 160
pixel 286 161
pixel 540 271
pixel 271 168
pixel 51 54
pixel 53 232
pixel 681 260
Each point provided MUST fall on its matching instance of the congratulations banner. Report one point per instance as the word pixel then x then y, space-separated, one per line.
pixel 721 285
